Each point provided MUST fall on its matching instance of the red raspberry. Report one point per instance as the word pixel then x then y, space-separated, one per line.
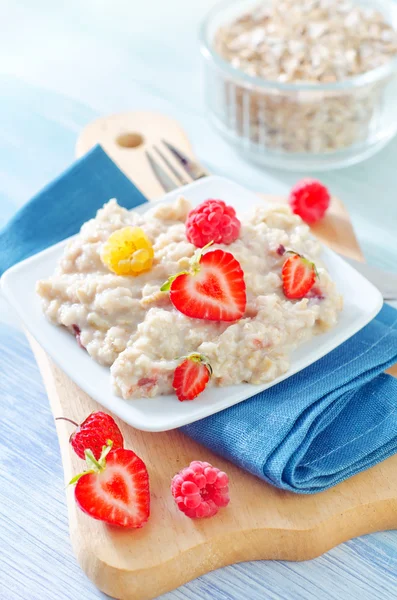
pixel 212 221
pixel 309 199
pixel 200 490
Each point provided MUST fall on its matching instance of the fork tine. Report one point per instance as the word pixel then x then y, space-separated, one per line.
pixel 193 169
pixel 164 180
pixel 171 167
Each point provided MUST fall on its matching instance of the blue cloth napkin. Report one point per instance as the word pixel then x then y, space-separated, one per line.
pixel 306 434
pixel 60 209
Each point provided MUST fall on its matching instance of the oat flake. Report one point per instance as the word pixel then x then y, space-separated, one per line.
pixel 316 41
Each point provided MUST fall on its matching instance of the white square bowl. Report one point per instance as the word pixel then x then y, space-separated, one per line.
pixel 362 301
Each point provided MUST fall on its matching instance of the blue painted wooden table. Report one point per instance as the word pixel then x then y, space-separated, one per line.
pixel 62 66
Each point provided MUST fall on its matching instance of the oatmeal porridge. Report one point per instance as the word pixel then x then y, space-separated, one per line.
pixel 129 324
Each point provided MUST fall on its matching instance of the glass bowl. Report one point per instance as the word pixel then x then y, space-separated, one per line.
pixel 298 126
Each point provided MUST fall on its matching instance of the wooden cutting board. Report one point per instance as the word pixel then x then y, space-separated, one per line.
pixel 261 521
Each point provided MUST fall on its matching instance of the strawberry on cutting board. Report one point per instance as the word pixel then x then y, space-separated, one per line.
pixel 298 275
pixel 213 289
pixel 94 433
pixel 115 489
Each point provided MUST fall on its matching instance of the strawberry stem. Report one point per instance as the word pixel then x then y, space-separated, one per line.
pixel 66 419
pixel 195 260
pixel 92 462
pixel 100 464
pixel 198 358
pixel 94 465
pixel 194 268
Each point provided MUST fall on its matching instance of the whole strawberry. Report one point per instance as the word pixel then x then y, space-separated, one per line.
pixel 309 199
pixel 94 433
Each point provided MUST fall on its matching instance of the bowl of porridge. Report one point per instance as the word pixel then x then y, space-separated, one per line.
pixel 119 306
pixel 129 323
pixel 304 85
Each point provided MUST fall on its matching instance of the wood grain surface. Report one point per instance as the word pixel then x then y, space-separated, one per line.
pixel 64 65
pixel 261 522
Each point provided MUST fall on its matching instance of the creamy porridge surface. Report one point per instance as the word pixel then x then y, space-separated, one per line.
pixel 127 323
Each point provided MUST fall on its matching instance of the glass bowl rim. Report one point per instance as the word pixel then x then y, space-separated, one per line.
pixel 350 83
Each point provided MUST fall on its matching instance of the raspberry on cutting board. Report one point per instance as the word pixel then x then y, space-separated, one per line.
pixel 212 221
pixel 310 200
pixel 200 490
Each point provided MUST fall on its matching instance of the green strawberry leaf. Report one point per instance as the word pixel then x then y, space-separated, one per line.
pixel 94 465
pixel 194 268
pixel 167 284
pixel 195 260
pixel 77 477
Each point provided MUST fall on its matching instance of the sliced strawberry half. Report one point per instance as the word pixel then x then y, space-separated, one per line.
pixel 191 376
pixel 115 489
pixel 214 288
pixel 298 275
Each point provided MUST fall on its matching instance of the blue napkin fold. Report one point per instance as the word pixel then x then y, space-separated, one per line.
pixel 306 434
pixel 328 422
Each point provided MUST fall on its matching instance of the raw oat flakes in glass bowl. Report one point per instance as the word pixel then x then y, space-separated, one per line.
pixel 306 85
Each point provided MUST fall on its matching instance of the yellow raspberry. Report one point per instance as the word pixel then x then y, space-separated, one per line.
pixel 128 251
